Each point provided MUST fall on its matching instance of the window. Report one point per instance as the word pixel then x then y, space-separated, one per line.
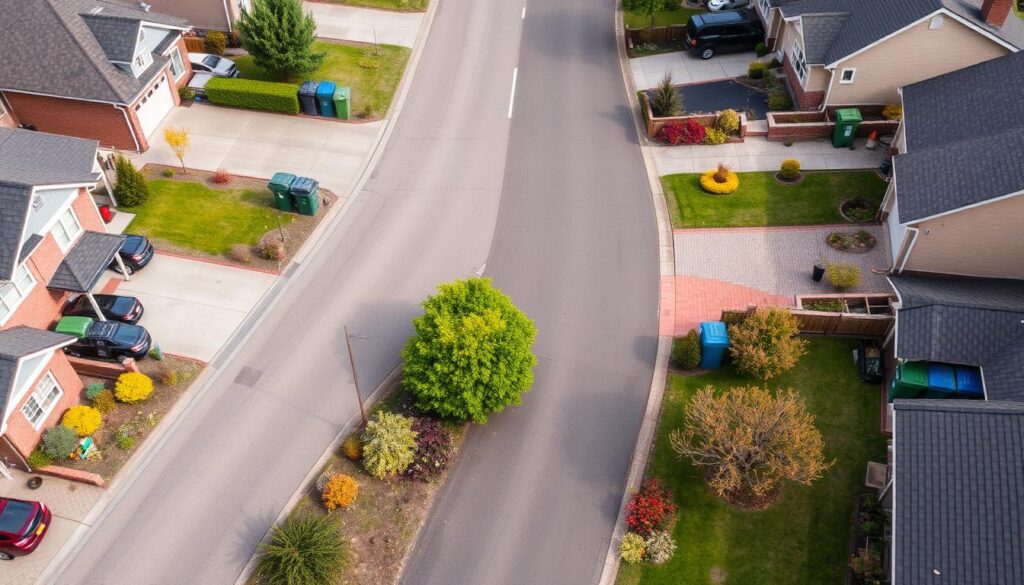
pixel 177 68
pixel 43 399
pixel 66 230
pixel 12 293
pixel 765 8
pixel 847 75
pixel 799 63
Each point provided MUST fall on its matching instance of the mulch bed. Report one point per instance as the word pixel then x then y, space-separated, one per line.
pixel 779 179
pixel 858 210
pixel 295 233
pixel 851 242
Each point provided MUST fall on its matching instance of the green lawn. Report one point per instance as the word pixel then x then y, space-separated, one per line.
pixel 666 18
pixel 371 88
pixel 396 5
pixel 192 215
pixel 803 538
pixel 761 201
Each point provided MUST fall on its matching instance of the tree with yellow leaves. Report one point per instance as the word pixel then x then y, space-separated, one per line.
pixel 750 441
pixel 177 139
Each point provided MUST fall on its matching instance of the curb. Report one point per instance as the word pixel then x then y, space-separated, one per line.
pixel 666 263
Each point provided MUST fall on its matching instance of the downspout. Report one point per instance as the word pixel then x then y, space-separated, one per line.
pixel 828 94
pixel 892 513
pixel 227 14
pixel 128 122
pixel 906 255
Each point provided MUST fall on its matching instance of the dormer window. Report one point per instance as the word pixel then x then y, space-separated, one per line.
pixel 142 60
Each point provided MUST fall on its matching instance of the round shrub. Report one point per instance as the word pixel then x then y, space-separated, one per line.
pixel 842 275
pixel 728 121
pixel 38 459
pixel 352 448
pixel 59 442
pixel 132 387
pixel 125 442
pixel 321 481
pixel 686 351
pixel 303 551
pixel 168 173
pixel 92 390
pixel 215 42
pixel 631 548
pixel 130 189
pixel 389 444
pixel 434 448
pixel 651 508
pixel 659 547
pixel 104 402
pixel 84 420
pixel 720 181
pixel 340 491
pixel 273 249
pixel 765 343
pixel 167 375
pixel 779 102
pixel 241 253
pixel 756 69
pixel 790 169
pixel 892 112
pixel 761 49
pixel 715 136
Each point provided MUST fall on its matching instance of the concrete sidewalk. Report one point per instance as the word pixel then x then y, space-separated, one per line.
pixel 647 72
pixel 758 154
pixel 365 25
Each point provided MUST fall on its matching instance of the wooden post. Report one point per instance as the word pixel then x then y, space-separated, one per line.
pixel 355 375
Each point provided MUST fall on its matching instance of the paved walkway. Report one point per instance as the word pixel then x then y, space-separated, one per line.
pixel 685 68
pixel 365 25
pixel 758 154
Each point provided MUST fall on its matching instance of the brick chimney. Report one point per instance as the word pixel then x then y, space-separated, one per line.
pixel 994 12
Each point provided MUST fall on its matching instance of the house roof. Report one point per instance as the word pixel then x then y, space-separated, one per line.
pixel 14 201
pixel 65 48
pixel 959 492
pixel 968 321
pixel 86 261
pixel 19 342
pixel 962 146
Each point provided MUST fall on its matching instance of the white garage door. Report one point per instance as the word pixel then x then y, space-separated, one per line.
pixel 154 105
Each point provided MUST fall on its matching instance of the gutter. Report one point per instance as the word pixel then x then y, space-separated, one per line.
pixel 128 121
pixel 906 255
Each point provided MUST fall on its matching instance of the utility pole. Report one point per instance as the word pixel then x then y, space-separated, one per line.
pixel 355 375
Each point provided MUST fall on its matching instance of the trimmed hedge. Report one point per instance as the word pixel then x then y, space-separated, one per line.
pixel 254 95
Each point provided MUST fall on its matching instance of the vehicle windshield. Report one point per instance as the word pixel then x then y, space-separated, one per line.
pixel 121 305
pixel 128 335
pixel 211 60
pixel 15 516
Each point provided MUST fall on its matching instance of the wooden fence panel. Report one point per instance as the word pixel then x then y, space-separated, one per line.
pixel 822 323
pixel 194 44
pixel 658 34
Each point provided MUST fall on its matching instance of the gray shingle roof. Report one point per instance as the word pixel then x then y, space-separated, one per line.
pixel 85 261
pixel 117 36
pixel 48 48
pixel 959 492
pixel 14 202
pixel 38 158
pixel 968 321
pixel 820 31
pixel 19 342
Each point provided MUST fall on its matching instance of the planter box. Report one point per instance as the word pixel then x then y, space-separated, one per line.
pixel 655 124
pixel 814 125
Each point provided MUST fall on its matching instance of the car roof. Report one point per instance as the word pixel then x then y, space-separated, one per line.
pixel 101 330
pixel 722 16
pixel 198 56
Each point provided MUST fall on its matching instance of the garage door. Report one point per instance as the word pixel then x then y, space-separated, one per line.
pixel 154 105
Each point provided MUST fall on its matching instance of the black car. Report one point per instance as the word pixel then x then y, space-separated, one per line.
pixel 725 30
pixel 114 308
pixel 104 339
pixel 136 252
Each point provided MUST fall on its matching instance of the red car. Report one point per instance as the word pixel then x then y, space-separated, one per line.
pixel 23 525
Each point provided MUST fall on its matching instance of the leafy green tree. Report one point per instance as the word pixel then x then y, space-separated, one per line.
pixel 279 35
pixel 471 353
pixel 303 551
pixel 649 7
pixel 131 188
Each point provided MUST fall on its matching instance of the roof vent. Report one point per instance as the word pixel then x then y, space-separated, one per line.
pixel 96 10
pixel 145 7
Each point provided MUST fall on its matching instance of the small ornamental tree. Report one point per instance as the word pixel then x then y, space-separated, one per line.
pixel 303 551
pixel 651 508
pixel 751 441
pixel 765 343
pixel 649 7
pixel 389 444
pixel 130 189
pixel 279 35
pixel 471 353
pixel 177 139
pixel 666 101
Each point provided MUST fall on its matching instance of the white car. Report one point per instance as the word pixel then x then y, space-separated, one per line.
pixel 716 5
pixel 218 66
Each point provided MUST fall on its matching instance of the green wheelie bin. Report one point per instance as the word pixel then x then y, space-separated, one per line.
pixel 847 122
pixel 280 185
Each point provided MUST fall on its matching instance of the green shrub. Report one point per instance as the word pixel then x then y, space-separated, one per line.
pixel 389 444
pixel 132 387
pixel 728 121
pixel 825 305
pixel 632 548
pixel 308 550
pixel 59 442
pixel 790 169
pixel 761 49
pixel 93 390
pixel 756 69
pixel 779 102
pixel 666 101
pixel 892 112
pixel 765 343
pixel 715 136
pixel 104 401
pixel 186 94
pixel 39 459
pixel 126 443
pixel 842 275
pixel 215 42
pixel 130 189
pixel 659 547
pixel 168 173
pixel 84 420
pixel 254 95
pixel 686 351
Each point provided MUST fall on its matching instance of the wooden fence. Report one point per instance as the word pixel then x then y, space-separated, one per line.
pixel 194 44
pixel 658 34
pixel 824 323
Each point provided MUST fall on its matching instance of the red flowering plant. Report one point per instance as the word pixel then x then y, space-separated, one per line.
pixel 651 508
pixel 686 132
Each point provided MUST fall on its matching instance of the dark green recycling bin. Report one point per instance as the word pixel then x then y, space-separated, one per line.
pixel 306 192
pixel 280 185
pixel 910 382
pixel 342 102
pixel 847 122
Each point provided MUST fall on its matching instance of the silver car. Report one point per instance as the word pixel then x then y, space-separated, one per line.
pixel 218 66
pixel 716 5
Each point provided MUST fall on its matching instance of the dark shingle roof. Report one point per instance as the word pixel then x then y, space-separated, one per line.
pixel 14 202
pixel 968 321
pixel 958 492
pixel 48 48
pixel 38 158
pixel 820 31
pixel 117 36
pixel 19 342
pixel 85 261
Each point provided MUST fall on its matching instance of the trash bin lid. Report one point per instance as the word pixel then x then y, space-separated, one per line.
pixel 342 92
pixel 77 326
pixel 326 89
pixel 281 181
pixel 304 186
pixel 968 381
pixel 913 373
pixel 308 88
pixel 713 334
pixel 941 377
pixel 848 115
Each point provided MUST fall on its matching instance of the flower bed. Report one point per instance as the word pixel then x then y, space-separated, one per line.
pixel 655 125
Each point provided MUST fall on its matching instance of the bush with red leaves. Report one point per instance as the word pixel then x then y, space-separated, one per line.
pixel 221 177
pixel 687 132
pixel 434 447
pixel 650 509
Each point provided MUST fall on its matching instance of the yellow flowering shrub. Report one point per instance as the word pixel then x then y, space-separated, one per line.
pixel 132 387
pixel 84 420
pixel 712 183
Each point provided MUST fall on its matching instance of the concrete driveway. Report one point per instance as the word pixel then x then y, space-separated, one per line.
pixel 192 306
pixel 686 68
pixel 258 144
pixel 365 25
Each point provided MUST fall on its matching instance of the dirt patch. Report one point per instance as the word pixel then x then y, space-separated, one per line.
pixel 295 233
pixel 139 419
pixel 858 210
pixel 858 242
pixel 784 181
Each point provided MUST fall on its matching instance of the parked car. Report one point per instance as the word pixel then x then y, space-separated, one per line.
pixel 107 340
pixel 23 525
pixel 135 252
pixel 219 66
pixel 197 83
pixel 725 30
pixel 114 307
pixel 716 5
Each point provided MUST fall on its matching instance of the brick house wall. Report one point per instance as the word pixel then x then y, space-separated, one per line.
pixel 92 120
pixel 19 432
pixel 183 81
pixel 7 119
pixel 801 98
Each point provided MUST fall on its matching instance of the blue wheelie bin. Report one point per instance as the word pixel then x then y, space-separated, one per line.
pixel 941 381
pixel 307 98
pixel 968 383
pixel 325 98
pixel 714 340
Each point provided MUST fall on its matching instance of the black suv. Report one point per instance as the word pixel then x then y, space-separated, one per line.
pixel 108 340
pixel 136 252
pixel 726 30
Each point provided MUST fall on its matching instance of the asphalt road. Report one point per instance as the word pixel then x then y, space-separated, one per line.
pixel 534 494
